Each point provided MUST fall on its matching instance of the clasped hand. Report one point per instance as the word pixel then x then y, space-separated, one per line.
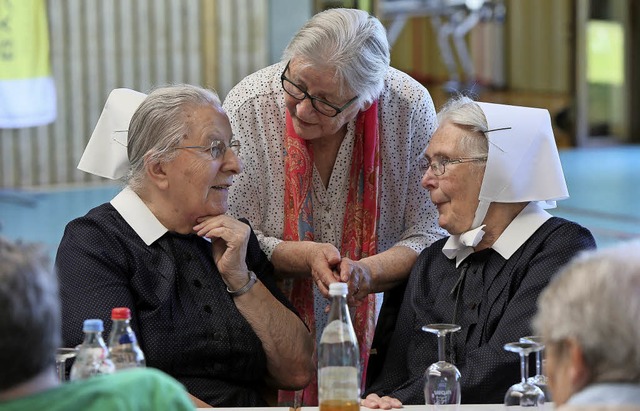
pixel 327 266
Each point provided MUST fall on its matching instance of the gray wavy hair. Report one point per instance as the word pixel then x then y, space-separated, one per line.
pixel 350 41
pixel 595 299
pixel 464 112
pixel 29 313
pixel 159 124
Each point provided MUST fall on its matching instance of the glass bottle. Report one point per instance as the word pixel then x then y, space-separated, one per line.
pixel 124 349
pixel 338 357
pixel 93 355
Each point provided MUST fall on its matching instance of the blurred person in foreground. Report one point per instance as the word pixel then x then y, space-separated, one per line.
pixel 330 136
pixel 203 301
pixel 30 334
pixel 589 318
pixel 491 170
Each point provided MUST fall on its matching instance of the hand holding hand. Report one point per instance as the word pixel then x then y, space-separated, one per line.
pixel 322 260
pixel 357 275
pixel 229 241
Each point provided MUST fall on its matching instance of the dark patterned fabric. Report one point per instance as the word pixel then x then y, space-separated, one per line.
pixel 496 300
pixel 186 321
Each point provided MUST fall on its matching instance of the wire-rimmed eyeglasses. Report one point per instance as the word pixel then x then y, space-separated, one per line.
pixel 438 167
pixel 321 106
pixel 218 148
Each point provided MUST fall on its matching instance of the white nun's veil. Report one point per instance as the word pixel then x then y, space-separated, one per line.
pixel 523 165
pixel 106 153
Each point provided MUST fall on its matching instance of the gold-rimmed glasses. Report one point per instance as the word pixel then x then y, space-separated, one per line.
pixel 218 148
pixel 439 166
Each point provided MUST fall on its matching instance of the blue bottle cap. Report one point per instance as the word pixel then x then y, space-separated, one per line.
pixel 93 325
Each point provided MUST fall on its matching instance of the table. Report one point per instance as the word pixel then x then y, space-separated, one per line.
pixel 465 407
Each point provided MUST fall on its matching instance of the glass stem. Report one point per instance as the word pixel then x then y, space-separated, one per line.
pixel 524 367
pixel 539 363
pixel 441 342
pixel 60 367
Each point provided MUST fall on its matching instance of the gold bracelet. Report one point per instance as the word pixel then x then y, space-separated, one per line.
pixel 252 280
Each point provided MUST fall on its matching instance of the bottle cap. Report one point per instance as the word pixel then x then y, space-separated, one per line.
pixel 121 313
pixel 93 325
pixel 338 289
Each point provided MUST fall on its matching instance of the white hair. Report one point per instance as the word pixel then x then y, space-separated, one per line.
pixel 159 124
pixel 351 42
pixel 595 300
pixel 466 113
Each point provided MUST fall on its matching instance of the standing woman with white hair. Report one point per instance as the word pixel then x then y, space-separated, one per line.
pixel 330 137
pixel 589 318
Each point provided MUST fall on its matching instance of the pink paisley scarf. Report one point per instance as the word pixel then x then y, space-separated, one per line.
pixel 359 237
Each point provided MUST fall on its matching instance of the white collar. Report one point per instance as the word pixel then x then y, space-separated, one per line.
pixel 136 213
pixel 517 232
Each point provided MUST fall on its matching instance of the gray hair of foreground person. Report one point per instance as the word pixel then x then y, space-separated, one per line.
pixel 595 300
pixel 350 41
pixel 160 123
pixel 29 313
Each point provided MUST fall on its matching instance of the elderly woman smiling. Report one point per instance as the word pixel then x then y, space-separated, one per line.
pixel 203 301
pixel 588 318
pixel 490 169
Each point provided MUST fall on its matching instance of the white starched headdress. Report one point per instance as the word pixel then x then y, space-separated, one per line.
pixel 523 165
pixel 106 153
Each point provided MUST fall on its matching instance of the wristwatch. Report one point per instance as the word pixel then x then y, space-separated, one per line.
pixel 252 280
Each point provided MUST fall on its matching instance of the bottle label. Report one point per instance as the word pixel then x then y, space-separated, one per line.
pixel 336 332
pixel 127 339
pixel 91 361
pixel 338 383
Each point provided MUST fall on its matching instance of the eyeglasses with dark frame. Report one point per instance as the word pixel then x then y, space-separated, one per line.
pixel 321 106
pixel 218 148
pixel 438 167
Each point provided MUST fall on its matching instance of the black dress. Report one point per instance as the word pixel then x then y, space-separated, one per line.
pixel 494 302
pixel 185 320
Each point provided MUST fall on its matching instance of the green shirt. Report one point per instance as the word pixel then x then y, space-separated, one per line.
pixel 130 390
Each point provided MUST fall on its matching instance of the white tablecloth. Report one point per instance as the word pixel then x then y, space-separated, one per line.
pixel 465 407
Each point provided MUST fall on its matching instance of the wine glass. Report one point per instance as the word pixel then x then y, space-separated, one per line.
pixel 442 386
pixel 539 379
pixel 523 394
pixel 62 355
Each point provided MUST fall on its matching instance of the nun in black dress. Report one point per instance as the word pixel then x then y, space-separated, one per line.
pixel 491 170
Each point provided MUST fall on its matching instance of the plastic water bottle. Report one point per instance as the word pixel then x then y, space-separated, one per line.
pixel 93 355
pixel 124 349
pixel 338 357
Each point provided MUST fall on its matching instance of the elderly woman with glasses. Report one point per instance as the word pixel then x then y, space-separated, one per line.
pixel 330 138
pixel 588 320
pixel 204 303
pixel 491 170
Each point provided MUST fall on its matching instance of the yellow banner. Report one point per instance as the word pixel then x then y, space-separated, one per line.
pixel 24 39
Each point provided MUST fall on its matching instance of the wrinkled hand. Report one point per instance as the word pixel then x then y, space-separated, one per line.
pixel 358 277
pixel 229 240
pixel 322 261
pixel 385 403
